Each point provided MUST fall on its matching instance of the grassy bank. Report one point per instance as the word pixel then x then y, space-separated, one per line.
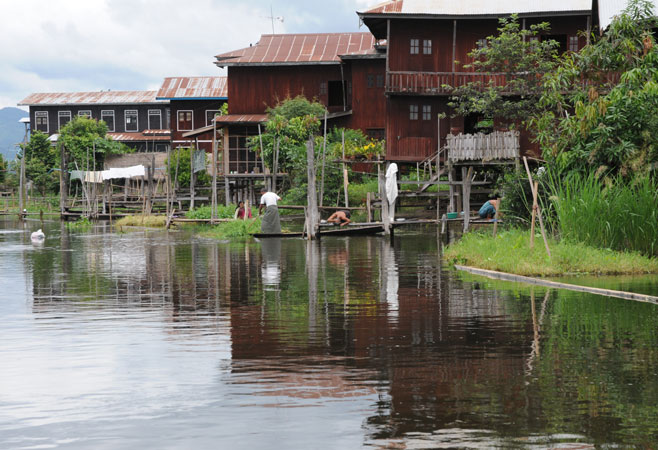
pixel 142 221
pixel 510 252
pixel 233 230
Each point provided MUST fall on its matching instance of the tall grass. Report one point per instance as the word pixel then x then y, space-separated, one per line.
pixel 618 215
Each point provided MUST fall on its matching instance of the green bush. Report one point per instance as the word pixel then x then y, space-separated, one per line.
pixel 204 212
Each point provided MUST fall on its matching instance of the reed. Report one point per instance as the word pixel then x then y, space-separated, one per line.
pixel 141 221
pixel 616 215
pixel 234 229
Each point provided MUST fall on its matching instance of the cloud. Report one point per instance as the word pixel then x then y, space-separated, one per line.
pixel 80 45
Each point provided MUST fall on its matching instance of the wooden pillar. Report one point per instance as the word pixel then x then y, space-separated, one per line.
pixel 466 195
pixel 312 214
pixel 63 179
pixel 386 219
pixel 453 194
pixel 213 202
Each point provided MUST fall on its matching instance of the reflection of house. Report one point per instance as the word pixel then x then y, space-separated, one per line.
pixel 194 102
pixel 344 71
pixel 428 44
pixel 134 118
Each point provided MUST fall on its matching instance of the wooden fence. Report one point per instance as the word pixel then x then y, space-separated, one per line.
pixel 485 147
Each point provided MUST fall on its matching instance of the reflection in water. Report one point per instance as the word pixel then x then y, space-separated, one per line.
pixel 271 265
pixel 155 339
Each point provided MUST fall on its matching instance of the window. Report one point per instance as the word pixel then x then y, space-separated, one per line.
pixel 155 119
pixel 323 88
pixel 241 159
pixel 85 113
pixel 185 122
pixel 413 112
pixel 481 43
pixel 370 80
pixel 427 112
pixel 335 93
pixel 41 119
pixel 108 117
pixel 534 38
pixel 427 46
pixel 573 43
pixel 168 119
pixel 63 117
pixel 413 46
pixel 210 115
pixel 380 80
pixel 131 120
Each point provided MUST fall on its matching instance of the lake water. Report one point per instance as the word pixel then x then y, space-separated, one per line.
pixel 169 341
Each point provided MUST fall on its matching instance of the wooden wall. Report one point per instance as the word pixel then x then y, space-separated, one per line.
pixel 198 108
pixel 368 103
pixel 440 32
pixel 254 89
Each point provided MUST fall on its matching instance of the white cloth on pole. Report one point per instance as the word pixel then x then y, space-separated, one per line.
pixel 391 188
pixel 124 172
pixel 94 176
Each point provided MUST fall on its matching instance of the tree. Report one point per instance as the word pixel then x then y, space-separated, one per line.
pixel 289 126
pixel 180 158
pixel 599 108
pixel 40 161
pixel 522 59
pixel 86 141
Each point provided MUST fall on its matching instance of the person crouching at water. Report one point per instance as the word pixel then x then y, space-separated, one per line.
pixel 341 217
pixel 488 210
pixel 243 211
pixel 271 222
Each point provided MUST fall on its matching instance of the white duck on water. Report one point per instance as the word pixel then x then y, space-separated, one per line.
pixel 38 235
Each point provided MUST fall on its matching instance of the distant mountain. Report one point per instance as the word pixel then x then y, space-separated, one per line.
pixel 11 131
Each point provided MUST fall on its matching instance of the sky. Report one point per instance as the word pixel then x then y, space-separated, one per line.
pixel 92 45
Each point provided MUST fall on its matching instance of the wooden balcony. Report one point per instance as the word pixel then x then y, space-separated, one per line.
pixel 435 83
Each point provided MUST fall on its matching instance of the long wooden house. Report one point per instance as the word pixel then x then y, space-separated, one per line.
pixel 344 71
pixel 135 118
pixel 194 103
pixel 428 44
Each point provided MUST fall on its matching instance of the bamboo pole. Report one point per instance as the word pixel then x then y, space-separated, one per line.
pixel 345 179
pixel 192 173
pixel 262 156
pixel 534 214
pixel 324 157
pixel 541 221
pixel 495 227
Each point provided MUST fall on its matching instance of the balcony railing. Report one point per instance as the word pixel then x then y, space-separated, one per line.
pixel 440 83
pixel 495 146
pixel 435 83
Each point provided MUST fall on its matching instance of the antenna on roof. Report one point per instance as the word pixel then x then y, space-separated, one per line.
pixel 272 18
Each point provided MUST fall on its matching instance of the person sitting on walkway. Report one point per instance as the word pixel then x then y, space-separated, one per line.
pixel 271 222
pixel 243 211
pixel 341 217
pixel 488 210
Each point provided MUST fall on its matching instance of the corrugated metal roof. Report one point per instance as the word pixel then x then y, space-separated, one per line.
pixel 608 9
pixel 137 137
pixel 193 88
pixel 241 118
pixel 90 98
pixel 292 49
pixel 476 7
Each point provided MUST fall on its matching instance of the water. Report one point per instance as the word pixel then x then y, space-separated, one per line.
pixel 167 340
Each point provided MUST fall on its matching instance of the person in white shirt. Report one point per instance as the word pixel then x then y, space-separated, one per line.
pixel 271 222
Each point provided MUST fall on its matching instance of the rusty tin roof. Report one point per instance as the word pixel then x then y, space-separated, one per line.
pixel 477 7
pixel 297 49
pixel 90 98
pixel 193 88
